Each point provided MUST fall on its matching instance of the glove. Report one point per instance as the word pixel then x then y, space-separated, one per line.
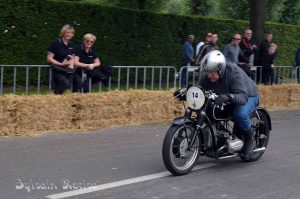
pixel 223 98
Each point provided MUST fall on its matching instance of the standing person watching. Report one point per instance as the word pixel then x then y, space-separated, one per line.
pixel 207 47
pixel 262 50
pixel 267 63
pixel 265 44
pixel 187 58
pixel 214 38
pixel 61 58
pixel 297 59
pixel 86 60
pixel 234 54
pixel 206 40
pixel 247 45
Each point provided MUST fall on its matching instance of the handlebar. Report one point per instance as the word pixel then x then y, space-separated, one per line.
pixel 180 94
pixel 209 94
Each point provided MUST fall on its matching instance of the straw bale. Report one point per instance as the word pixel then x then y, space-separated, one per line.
pixel 280 96
pixel 33 115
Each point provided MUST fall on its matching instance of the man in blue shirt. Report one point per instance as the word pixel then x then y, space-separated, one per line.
pixel 297 59
pixel 188 57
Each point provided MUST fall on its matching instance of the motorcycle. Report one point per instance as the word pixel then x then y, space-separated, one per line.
pixel 208 129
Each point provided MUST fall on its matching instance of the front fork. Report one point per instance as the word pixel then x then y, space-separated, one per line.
pixel 201 116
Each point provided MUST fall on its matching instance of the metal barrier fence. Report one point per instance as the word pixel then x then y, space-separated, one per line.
pixel 191 76
pixel 160 77
pixel 297 75
pixel 13 69
pixel 282 74
pixel 39 78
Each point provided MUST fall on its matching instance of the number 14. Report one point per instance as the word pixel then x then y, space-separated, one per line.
pixel 195 95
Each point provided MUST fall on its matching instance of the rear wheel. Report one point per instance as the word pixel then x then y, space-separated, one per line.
pixel 178 156
pixel 261 134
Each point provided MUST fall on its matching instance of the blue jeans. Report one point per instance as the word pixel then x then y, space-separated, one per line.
pixel 184 80
pixel 242 113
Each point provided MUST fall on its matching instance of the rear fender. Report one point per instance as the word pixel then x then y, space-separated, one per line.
pixel 265 112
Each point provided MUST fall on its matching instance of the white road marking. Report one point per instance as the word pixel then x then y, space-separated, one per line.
pixel 120 183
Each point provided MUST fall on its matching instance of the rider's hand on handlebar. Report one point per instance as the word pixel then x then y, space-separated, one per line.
pixel 222 99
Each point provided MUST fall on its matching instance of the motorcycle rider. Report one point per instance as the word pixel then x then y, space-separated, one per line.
pixel 232 85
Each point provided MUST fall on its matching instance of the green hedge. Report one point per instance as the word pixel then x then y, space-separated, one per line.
pixel 124 36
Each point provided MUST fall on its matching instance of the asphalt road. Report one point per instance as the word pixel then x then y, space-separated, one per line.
pixel 61 162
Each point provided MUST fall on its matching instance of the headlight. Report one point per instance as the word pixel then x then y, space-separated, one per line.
pixel 195 98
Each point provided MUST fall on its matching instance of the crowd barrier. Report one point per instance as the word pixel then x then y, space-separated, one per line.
pixel 282 74
pixel 38 78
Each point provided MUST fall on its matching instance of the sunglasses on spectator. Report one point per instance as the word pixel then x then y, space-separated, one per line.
pixel 89 41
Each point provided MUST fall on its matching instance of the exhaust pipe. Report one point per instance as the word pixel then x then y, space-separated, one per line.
pixel 229 156
pixel 259 149
pixel 235 155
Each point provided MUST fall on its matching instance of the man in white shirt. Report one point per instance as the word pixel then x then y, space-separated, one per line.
pixel 205 40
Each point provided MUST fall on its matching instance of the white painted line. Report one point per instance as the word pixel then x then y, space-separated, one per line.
pixel 120 183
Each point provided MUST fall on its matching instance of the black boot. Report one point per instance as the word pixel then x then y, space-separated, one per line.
pixel 248 144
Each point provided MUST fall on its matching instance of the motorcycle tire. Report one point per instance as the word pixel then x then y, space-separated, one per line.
pixel 261 132
pixel 178 157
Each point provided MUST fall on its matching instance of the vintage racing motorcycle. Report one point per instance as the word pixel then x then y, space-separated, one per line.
pixel 207 129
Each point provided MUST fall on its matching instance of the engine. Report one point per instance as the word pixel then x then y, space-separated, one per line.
pixel 228 143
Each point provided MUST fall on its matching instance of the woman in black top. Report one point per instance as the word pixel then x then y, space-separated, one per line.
pixel 61 57
pixel 86 60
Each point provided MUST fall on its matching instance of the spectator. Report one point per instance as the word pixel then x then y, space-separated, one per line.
pixel 188 57
pixel 247 45
pixel 234 54
pixel 267 62
pixel 206 40
pixel 214 38
pixel 297 59
pixel 204 49
pixel 86 61
pixel 262 50
pixel 264 46
pixel 61 57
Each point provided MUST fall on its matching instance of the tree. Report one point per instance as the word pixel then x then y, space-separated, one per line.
pixel 141 4
pixel 234 9
pixel 198 7
pixel 257 19
pixel 177 7
pixel 273 10
pixel 152 5
pixel 205 7
pixel 290 13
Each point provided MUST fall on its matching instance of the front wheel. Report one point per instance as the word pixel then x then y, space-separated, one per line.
pixel 261 133
pixel 178 156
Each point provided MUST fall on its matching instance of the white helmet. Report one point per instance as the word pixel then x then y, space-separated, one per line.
pixel 213 61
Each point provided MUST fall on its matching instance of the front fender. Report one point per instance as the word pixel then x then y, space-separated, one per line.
pixel 181 120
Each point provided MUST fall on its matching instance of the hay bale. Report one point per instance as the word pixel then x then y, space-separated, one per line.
pixel 280 96
pixel 120 107
pixel 31 115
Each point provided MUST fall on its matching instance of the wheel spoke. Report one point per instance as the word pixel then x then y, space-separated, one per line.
pixel 182 156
